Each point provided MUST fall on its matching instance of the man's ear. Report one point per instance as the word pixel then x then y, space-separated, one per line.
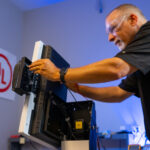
pixel 133 19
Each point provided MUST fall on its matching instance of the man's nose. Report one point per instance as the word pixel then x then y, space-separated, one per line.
pixel 111 37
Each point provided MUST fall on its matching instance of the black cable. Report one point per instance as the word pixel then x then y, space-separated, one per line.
pixel 72 95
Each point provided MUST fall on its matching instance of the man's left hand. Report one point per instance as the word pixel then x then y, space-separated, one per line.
pixel 46 68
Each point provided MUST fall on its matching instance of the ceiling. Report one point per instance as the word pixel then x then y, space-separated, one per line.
pixel 26 5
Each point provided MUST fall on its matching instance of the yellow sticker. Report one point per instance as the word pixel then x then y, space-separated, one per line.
pixel 78 125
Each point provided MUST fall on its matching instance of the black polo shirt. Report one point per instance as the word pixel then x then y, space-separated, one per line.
pixel 137 53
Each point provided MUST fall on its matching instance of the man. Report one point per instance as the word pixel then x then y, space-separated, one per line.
pixel 130 31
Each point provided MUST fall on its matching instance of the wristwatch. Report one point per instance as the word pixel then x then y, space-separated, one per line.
pixel 62 74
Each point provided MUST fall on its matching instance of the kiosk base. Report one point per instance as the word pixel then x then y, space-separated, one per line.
pixel 75 145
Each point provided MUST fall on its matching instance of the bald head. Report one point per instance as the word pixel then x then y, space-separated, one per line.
pixel 122 24
pixel 127 9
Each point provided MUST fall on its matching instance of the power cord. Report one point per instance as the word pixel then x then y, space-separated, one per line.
pixel 74 96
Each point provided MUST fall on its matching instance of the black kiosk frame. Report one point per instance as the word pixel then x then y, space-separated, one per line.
pixel 46 117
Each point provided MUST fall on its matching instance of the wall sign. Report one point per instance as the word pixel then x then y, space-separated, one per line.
pixel 7 63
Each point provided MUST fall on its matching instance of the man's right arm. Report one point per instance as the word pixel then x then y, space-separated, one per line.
pixel 104 94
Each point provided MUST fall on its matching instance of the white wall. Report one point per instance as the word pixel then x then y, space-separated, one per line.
pixel 10 40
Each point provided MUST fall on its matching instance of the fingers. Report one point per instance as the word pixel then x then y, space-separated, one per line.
pixel 37 72
pixel 45 68
pixel 38 67
pixel 36 63
pixel 35 68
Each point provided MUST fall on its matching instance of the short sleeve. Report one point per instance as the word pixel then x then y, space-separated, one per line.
pixel 137 53
pixel 130 84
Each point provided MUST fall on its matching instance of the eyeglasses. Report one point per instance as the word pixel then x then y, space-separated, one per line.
pixel 114 27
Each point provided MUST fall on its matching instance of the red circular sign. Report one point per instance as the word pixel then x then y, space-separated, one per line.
pixel 9 65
